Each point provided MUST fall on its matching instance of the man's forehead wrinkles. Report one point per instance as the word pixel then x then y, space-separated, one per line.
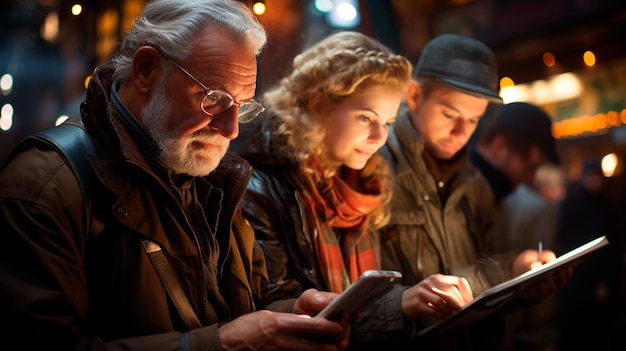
pixel 238 68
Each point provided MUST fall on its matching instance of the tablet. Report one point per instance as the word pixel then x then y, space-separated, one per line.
pixel 370 286
pixel 499 295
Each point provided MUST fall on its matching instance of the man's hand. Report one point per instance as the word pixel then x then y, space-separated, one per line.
pixel 438 295
pixel 530 259
pixel 312 301
pixel 546 286
pixel 265 330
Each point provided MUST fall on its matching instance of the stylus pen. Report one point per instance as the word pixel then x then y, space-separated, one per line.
pixel 540 250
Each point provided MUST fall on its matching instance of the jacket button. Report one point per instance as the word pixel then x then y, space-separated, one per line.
pixel 411 215
pixel 122 211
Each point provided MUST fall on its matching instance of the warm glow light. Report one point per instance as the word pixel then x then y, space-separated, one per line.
pixel 50 27
pixel 506 82
pixel 548 59
pixel 557 88
pixel 106 29
pixel 258 8
pixel 588 124
pixel 612 119
pixel 566 86
pixel 540 91
pixel 77 9
pixel 589 59
pixel 609 164
pixel 61 119
pixel 515 93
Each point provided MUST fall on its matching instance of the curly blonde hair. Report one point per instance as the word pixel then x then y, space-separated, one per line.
pixel 335 68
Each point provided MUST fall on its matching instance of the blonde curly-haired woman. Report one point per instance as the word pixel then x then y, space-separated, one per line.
pixel 319 188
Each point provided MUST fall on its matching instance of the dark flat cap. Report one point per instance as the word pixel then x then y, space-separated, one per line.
pixel 463 64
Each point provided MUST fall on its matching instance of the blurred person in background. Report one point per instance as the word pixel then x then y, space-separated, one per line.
pixel 529 214
pixel 319 189
pixel 586 309
pixel 530 210
pixel 515 142
pixel 512 146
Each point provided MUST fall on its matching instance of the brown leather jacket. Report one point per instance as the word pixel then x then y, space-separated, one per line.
pixel 65 291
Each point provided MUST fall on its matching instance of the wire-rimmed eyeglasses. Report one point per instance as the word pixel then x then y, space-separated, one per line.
pixel 217 101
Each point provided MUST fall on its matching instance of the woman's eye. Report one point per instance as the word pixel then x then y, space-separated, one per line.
pixel 364 118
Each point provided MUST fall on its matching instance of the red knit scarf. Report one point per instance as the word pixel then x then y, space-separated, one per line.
pixel 337 215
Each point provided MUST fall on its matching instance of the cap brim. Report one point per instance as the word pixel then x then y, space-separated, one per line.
pixel 471 89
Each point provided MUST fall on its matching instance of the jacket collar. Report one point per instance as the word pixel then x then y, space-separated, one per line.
pixel 405 140
pixel 102 122
pixel 499 183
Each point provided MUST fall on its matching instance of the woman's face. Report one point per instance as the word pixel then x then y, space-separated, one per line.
pixel 358 126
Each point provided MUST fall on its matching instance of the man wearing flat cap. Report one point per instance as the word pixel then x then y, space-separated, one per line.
pixel 441 205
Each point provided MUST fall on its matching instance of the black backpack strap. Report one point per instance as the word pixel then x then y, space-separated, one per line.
pixel 73 144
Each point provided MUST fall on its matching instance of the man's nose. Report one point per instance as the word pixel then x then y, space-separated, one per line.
pixel 461 128
pixel 226 123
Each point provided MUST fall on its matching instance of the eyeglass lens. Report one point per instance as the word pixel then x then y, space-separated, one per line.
pixel 217 102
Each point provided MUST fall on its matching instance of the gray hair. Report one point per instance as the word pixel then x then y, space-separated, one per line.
pixel 171 26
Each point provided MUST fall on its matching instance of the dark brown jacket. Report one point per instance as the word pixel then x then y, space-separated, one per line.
pixel 275 207
pixel 65 291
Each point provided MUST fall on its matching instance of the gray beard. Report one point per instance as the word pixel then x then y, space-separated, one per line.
pixel 174 152
pixel 155 116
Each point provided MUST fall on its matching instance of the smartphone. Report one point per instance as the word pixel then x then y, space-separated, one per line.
pixel 370 286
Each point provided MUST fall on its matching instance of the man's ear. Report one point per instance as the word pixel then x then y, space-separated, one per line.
pixel 413 94
pixel 146 69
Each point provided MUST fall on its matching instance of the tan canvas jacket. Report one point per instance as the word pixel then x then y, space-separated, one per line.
pixel 424 236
